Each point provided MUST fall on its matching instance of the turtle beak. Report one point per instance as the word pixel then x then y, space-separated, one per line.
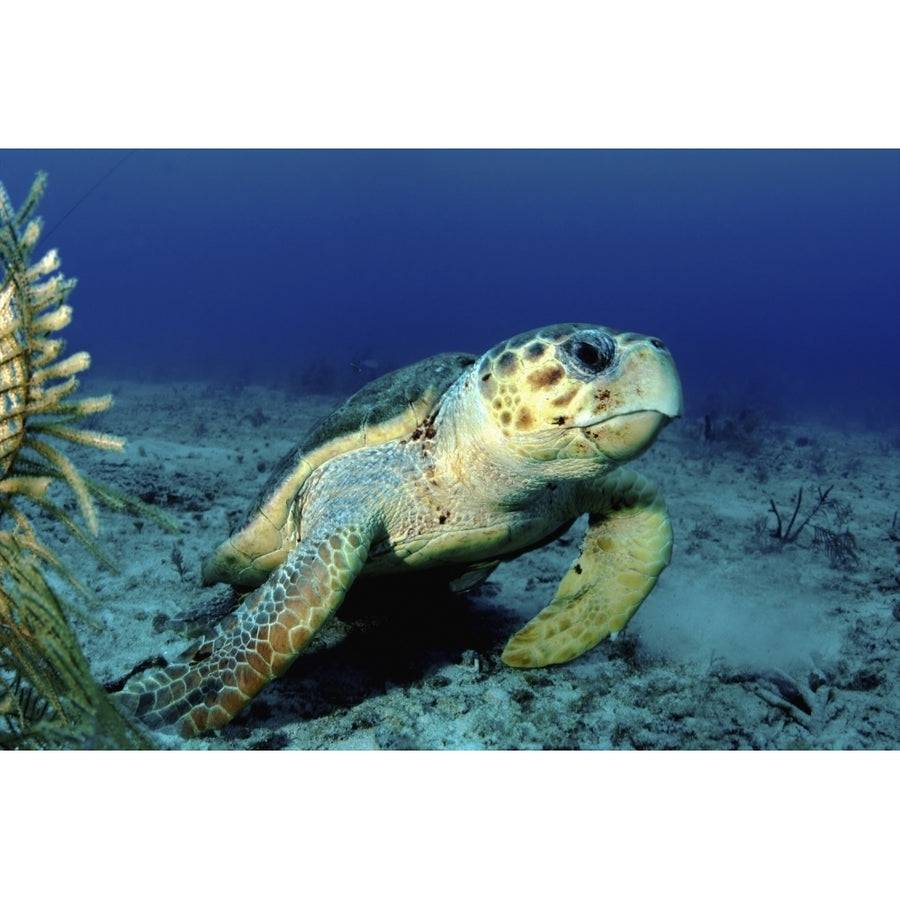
pixel 649 367
pixel 627 436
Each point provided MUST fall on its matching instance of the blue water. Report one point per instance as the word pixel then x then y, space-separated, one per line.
pixel 773 276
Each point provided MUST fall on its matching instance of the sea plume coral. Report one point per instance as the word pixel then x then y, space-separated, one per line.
pixel 47 695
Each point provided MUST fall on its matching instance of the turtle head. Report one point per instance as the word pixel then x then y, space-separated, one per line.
pixel 578 392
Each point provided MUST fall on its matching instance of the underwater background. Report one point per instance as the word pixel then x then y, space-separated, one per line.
pixel 231 299
pixel 774 276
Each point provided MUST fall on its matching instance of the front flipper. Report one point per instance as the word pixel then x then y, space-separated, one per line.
pixel 256 643
pixel 628 543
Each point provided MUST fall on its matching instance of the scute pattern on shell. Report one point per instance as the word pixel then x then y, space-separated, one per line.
pixel 388 408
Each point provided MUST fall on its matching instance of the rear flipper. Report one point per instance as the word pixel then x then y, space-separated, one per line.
pixel 627 545
pixel 257 643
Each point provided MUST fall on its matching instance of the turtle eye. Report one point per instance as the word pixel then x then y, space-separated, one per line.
pixel 592 357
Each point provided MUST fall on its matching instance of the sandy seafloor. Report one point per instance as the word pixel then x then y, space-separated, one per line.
pixel 745 642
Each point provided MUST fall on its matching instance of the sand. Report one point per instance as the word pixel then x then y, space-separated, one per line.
pixel 746 642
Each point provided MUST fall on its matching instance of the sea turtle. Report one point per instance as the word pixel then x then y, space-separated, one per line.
pixel 457 463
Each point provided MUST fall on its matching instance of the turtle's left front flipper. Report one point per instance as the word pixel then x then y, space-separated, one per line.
pixel 627 545
pixel 264 635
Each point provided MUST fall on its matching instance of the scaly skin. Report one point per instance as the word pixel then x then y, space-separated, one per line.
pixel 526 439
pixel 627 544
pixel 255 644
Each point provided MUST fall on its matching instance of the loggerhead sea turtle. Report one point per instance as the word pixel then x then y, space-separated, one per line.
pixel 454 462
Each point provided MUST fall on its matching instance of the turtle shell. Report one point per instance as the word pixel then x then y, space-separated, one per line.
pixel 386 409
